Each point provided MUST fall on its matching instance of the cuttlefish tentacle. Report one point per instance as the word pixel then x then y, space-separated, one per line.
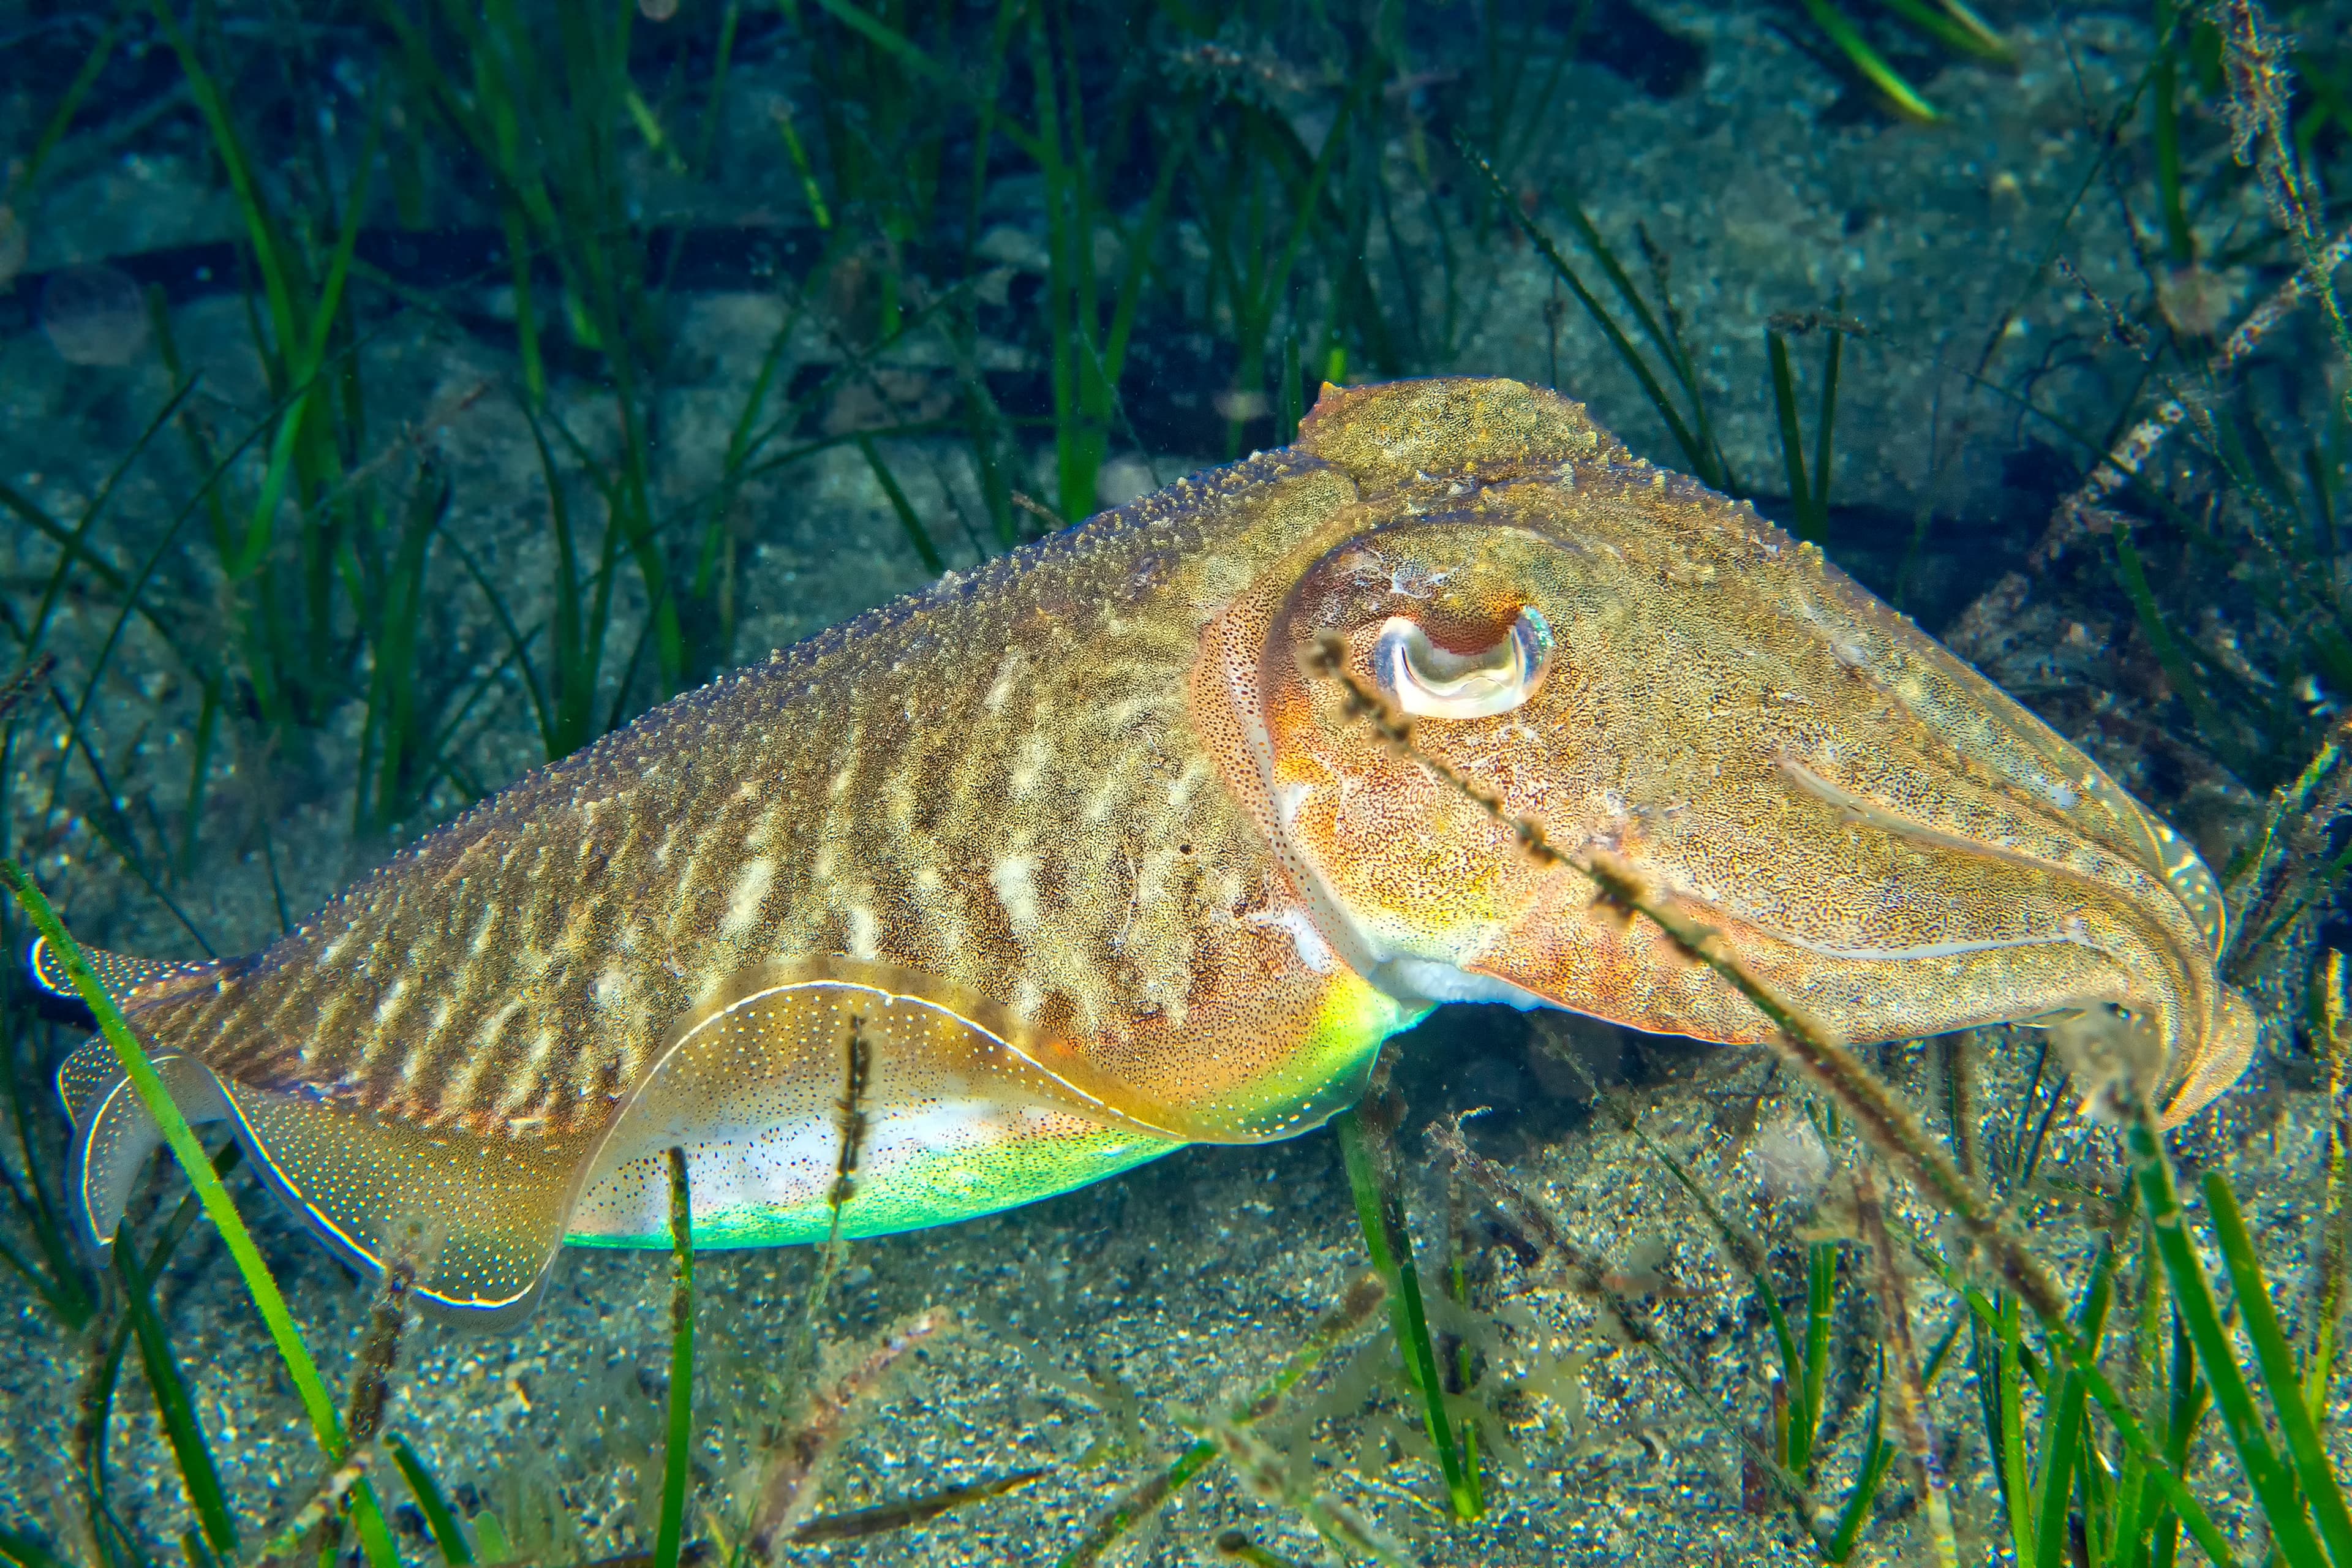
pixel 2150 935
pixel 2003 784
pixel 1988 730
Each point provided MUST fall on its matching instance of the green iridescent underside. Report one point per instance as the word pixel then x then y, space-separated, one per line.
pixel 926 1191
pixel 1330 1067
pixel 759 1178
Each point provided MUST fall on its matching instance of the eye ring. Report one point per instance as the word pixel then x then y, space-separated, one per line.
pixel 1432 682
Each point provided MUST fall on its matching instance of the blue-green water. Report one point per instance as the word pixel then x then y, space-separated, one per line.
pixel 395 397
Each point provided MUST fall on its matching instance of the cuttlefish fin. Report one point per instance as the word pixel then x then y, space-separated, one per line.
pixel 114 1132
pixel 826 1084
pixel 477 1219
pixel 124 979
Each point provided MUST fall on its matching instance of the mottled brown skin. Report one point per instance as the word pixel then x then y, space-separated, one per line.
pixel 995 782
pixel 1092 800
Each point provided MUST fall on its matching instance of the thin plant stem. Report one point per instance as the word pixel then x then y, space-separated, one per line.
pixel 2336 1228
pixel 2084 507
pixel 198 1474
pixel 1910 1401
pixel 2273 1483
pixel 1392 1251
pixel 440 1518
pixel 679 1452
pixel 1591 1276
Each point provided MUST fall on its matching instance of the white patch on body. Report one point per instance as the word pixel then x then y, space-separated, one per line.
pixel 1028 766
pixel 530 1085
pixel 750 890
pixel 1431 980
pixel 1015 880
pixel 864 933
pixel 1288 801
pixel 1007 676
pixel 1180 787
pixel 1294 922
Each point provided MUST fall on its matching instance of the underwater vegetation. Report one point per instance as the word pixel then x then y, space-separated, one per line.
pixel 485 375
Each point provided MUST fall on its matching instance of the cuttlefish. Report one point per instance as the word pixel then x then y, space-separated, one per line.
pixel 1089 853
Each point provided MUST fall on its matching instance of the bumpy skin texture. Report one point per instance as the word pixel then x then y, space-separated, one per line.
pixel 1090 800
pixel 995 782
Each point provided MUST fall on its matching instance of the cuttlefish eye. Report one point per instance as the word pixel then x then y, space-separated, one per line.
pixel 1434 682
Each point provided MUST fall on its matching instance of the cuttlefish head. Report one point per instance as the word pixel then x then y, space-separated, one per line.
pixel 1640 667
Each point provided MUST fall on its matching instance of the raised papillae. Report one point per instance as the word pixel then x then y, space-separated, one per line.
pixel 1079 856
